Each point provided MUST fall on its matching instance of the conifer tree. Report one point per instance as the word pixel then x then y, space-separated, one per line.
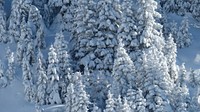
pixel 3 79
pixel 41 83
pixel 3 36
pixel 128 27
pixel 14 22
pixel 110 107
pixel 123 71
pixel 170 53
pixel 53 77
pixel 10 71
pixel 28 81
pixel 140 102
pixel 183 36
pixel 125 106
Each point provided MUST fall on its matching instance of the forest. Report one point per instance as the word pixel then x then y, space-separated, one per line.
pixel 100 55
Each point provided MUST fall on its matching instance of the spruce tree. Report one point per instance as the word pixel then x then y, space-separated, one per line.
pixel 3 36
pixel 110 107
pixel 183 36
pixel 11 69
pixel 170 53
pixel 53 77
pixel 123 71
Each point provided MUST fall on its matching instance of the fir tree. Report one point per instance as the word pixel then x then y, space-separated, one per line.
pixel 123 71
pixel 11 69
pixel 170 53
pixel 53 77
pixel 28 82
pixel 110 107
pixel 3 79
pixel 3 36
pixel 183 36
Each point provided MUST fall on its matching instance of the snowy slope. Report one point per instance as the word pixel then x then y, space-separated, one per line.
pixel 12 99
pixel 191 55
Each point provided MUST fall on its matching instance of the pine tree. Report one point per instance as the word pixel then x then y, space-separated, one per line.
pixel 3 36
pixel 110 107
pixel 11 69
pixel 131 97
pixel 41 83
pixel 53 77
pixel 128 27
pixel 14 22
pixel 123 71
pixel 82 99
pixel 182 79
pixel 84 29
pixel 125 106
pixel 77 99
pixel 140 102
pixel 28 81
pixel 170 53
pixel 40 38
pixel 183 36
pixel 3 79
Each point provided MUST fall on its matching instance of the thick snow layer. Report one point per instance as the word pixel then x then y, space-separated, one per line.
pixel 12 99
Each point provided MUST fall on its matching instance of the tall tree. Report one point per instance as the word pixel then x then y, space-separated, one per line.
pixel 170 53
pixel 53 77
pixel 3 36
pixel 183 36
pixel 11 69
pixel 123 71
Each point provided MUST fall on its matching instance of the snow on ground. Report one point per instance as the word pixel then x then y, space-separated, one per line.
pixel 191 55
pixel 12 99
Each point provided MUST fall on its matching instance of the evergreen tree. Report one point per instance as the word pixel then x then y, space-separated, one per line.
pixel 41 83
pixel 14 22
pixel 3 36
pixel 110 107
pixel 28 81
pixel 123 71
pixel 182 80
pixel 3 79
pixel 140 102
pixel 40 38
pixel 170 53
pixel 10 71
pixel 125 106
pixel 183 36
pixel 53 77
pixel 128 27
pixel 131 97
pixel 77 99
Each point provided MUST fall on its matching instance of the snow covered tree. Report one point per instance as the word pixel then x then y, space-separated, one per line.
pixel 3 36
pixel 14 22
pixel 110 107
pixel 156 82
pixel 84 29
pixel 41 83
pixel 30 55
pixel 77 99
pixel 183 36
pixel 11 69
pixel 182 79
pixel 28 81
pixel 123 71
pixel 40 38
pixel 131 97
pixel 53 77
pixel 180 99
pixel 3 79
pixel 140 102
pixel 125 107
pixel 128 26
pixel 25 39
pixel 64 59
pixel 82 99
pixel 195 9
pixel 170 53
